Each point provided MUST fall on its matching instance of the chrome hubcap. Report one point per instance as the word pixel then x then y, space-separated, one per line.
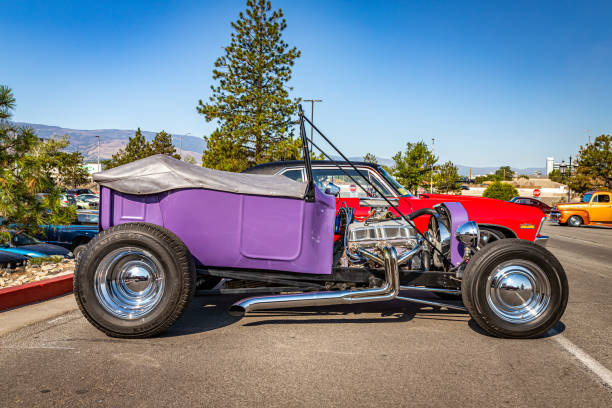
pixel 518 291
pixel 129 283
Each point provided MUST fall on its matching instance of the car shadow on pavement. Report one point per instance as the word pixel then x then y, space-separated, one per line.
pixel 371 313
pixel 557 329
pixel 208 313
pixel 203 314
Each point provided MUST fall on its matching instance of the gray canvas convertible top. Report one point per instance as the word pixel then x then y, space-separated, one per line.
pixel 159 173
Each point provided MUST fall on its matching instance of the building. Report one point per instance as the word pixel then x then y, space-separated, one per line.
pixel 92 167
pixel 551 165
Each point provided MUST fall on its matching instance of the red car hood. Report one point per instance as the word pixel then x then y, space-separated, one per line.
pixel 523 220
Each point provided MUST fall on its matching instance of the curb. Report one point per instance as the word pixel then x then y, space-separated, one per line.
pixel 35 291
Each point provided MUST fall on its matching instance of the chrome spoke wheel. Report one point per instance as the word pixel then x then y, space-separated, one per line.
pixel 518 291
pixel 129 283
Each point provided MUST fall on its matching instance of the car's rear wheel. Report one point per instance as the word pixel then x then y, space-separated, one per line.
pixel 575 221
pixel 514 288
pixel 134 280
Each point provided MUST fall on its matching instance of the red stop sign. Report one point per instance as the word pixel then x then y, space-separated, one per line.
pixel 536 192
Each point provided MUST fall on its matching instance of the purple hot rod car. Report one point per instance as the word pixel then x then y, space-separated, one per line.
pixel 166 225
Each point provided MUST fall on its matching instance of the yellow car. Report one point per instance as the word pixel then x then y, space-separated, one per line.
pixel 595 208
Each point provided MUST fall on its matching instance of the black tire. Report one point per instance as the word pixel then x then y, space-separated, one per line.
pixel 78 250
pixel 575 221
pixel 163 249
pixel 484 264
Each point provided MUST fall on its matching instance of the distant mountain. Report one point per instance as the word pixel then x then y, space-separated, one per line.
pixel 482 171
pixel 462 170
pixel 111 140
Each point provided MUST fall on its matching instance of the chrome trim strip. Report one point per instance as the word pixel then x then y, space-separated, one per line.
pixel 541 225
pixel 541 240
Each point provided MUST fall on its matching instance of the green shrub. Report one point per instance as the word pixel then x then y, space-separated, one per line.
pixel 42 259
pixel 500 191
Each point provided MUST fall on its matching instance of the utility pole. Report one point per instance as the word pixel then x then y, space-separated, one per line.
pixel 569 176
pixel 99 168
pixel 186 134
pixel 312 102
pixel 433 141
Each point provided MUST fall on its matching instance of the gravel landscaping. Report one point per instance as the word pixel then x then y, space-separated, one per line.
pixel 35 272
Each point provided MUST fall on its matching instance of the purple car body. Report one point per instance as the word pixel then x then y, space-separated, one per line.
pixel 225 229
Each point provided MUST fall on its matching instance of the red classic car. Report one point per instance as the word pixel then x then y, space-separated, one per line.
pixel 497 219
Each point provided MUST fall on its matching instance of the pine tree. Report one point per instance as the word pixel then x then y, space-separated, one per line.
pixel 74 172
pixel 28 166
pixel 251 102
pixel 594 166
pixel 414 166
pixel 137 148
pixel 370 158
pixel 447 178
pixel 162 144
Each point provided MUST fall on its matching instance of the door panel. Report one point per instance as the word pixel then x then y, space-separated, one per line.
pixel 600 209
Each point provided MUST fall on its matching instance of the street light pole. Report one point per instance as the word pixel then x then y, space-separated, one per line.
pixel 569 175
pixel 433 141
pixel 312 102
pixel 99 168
pixel 562 168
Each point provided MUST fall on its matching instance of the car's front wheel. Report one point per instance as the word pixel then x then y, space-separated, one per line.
pixel 514 288
pixel 134 280
pixel 575 221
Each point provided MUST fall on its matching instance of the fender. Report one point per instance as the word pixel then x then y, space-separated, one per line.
pixel 504 230
pixel 566 214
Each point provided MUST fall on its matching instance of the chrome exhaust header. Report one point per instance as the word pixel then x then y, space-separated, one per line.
pixel 388 291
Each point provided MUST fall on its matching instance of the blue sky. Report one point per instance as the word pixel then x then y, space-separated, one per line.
pixel 493 83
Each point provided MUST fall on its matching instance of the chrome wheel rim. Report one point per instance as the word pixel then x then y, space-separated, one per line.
pixel 129 283
pixel 518 291
pixel 574 222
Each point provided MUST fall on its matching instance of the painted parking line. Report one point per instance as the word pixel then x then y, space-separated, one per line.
pixel 589 362
pixel 586 241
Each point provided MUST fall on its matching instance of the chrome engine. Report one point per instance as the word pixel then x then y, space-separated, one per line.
pixel 364 240
pixel 375 234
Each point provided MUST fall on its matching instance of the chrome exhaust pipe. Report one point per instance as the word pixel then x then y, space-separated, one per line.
pixel 388 291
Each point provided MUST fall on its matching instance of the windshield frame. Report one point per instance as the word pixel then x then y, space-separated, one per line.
pixel 363 172
pixel 401 190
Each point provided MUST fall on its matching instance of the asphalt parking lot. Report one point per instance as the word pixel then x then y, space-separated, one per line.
pixel 385 354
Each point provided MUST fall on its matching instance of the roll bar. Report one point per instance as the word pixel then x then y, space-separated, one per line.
pixel 308 167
